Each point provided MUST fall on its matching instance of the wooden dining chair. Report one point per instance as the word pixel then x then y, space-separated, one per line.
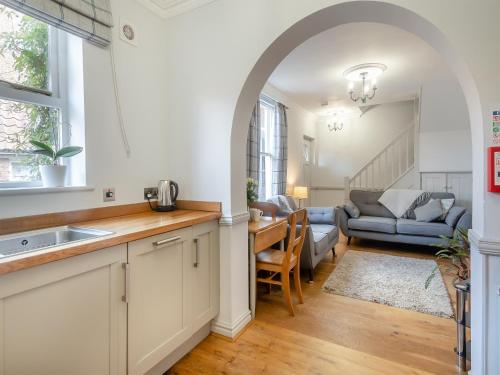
pixel 269 209
pixel 277 262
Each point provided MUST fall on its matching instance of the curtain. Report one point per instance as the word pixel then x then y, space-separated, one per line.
pixel 280 151
pixel 253 145
pixel 88 19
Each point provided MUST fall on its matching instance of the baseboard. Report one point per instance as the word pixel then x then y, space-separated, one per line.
pixel 181 351
pixel 232 330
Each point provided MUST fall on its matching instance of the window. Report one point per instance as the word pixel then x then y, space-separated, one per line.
pixel 267 147
pixel 31 104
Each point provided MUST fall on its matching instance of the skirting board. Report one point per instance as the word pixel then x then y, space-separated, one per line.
pixel 233 330
pixel 486 246
pixel 181 351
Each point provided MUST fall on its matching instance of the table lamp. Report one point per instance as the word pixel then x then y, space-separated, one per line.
pixel 301 193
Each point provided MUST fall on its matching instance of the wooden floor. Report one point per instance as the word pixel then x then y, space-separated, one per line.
pixel 332 334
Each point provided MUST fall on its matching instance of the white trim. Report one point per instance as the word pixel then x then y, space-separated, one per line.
pixel 227 221
pixel 485 246
pixel 43 190
pixel 179 7
pixel 232 330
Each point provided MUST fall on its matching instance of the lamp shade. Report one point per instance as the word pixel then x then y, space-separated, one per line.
pixel 300 192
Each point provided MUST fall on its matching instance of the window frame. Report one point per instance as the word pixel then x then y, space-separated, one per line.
pixel 265 190
pixel 54 96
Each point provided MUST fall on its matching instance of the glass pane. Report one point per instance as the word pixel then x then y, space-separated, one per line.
pixel 19 123
pixel 24 46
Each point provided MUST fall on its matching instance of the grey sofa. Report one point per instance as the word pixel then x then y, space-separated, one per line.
pixel 378 223
pixel 321 236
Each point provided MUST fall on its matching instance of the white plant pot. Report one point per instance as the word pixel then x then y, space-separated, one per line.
pixel 53 175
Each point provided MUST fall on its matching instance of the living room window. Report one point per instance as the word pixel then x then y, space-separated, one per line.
pixel 32 104
pixel 267 147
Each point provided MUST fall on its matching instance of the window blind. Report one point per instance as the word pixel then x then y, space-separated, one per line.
pixel 88 19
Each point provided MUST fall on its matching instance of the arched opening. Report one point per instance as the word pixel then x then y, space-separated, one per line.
pixel 330 17
pixel 345 13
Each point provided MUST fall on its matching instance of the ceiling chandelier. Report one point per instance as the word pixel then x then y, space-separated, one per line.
pixel 366 74
pixel 335 123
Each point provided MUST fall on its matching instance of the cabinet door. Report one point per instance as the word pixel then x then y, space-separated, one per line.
pixel 204 269
pixel 158 300
pixel 460 184
pixel 433 182
pixel 65 317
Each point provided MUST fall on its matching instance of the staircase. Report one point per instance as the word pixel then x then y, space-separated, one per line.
pixel 388 167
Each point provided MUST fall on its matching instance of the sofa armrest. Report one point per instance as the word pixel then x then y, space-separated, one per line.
pixel 465 221
pixel 322 215
pixel 342 220
pixel 454 215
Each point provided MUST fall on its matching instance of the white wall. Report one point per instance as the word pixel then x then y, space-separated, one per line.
pixel 445 137
pixel 141 71
pixel 445 151
pixel 344 153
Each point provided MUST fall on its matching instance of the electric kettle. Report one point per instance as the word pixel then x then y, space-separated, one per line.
pixel 167 194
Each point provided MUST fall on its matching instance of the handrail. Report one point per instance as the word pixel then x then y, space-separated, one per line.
pixel 401 134
pixel 395 166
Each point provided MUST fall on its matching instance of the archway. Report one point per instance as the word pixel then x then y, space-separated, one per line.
pixel 327 18
pixel 336 15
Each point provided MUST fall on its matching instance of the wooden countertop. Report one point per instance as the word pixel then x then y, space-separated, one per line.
pixel 126 228
pixel 264 223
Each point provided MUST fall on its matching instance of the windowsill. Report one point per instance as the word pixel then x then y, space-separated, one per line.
pixel 43 190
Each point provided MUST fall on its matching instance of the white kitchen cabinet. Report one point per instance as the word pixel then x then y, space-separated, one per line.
pixel 204 286
pixel 173 292
pixel 65 317
pixel 158 297
pixel 458 183
pixel 116 311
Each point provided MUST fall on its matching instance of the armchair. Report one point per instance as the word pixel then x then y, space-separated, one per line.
pixel 322 233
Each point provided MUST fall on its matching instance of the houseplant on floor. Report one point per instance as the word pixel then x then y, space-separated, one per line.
pixel 456 249
pixel 54 174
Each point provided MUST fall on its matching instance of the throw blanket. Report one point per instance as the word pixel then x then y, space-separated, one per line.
pixel 398 201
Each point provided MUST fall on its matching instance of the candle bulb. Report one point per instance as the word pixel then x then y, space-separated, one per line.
pixel 351 86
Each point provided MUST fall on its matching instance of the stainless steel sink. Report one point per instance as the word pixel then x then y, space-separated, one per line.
pixel 18 244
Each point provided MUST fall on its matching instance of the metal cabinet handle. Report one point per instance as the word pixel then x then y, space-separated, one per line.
pixel 126 297
pixel 197 253
pixel 165 242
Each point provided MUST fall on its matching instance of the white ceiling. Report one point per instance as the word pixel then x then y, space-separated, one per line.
pixel 312 73
pixel 171 8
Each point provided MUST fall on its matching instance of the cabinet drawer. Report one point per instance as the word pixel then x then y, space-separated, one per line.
pixel 159 241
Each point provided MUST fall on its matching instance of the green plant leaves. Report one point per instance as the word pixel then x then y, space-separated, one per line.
pixel 67 152
pixel 43 149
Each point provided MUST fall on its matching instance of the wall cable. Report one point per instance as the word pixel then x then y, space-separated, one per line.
pixel 121 123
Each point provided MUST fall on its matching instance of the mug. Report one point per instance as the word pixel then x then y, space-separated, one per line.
pixel 255 214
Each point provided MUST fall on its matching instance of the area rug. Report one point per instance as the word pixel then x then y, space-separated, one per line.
pixel 390 280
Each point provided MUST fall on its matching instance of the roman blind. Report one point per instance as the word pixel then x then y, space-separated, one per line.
pixel 88 19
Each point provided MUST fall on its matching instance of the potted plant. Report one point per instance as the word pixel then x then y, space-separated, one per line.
pixel 252 194
pixel 457 249
pixel 54 174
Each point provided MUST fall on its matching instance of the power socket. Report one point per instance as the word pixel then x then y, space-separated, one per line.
pixel 151 193
pixel 108 194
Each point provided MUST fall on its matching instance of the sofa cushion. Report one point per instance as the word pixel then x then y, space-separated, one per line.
pixel 321 215
pixel 352 210
pixel 373 224
pixel 368 204
pixel 420 228
pixel 430 211
pixel 320 242
pixel 330 230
